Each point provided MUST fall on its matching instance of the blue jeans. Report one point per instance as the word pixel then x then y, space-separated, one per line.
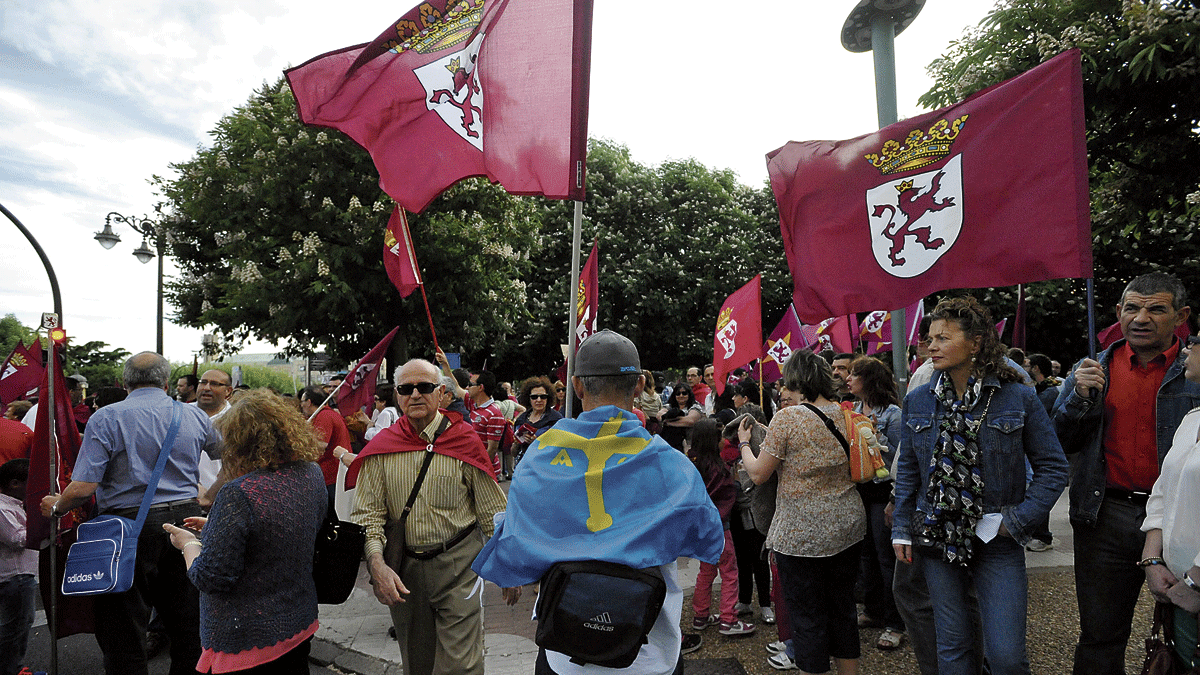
pixel 16 616
pixel 998 574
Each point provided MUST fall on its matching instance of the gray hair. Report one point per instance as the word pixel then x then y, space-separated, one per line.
pixel 146 369
pixel 606 386
pixel 449 383
pixel 396 373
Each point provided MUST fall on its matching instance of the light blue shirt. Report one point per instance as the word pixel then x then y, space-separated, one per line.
pixel 121 444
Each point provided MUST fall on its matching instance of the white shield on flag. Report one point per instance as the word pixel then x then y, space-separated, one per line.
pixel 453 91
pixel 915 220
pixel 780 351
pixel 726 337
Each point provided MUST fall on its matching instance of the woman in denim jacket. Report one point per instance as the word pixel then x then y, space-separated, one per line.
pixel 961 499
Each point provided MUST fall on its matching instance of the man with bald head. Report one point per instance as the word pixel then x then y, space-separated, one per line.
pixel 431 594
pixel 118 453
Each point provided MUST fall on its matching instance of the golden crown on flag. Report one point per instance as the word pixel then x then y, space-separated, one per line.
pixel 19 361
pixel 439 32
pixel 919 149
pixel 582 299
pixel 723 318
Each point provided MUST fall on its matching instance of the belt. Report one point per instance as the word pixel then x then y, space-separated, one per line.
pixel 432 553
pixel 171 505
pixel 1134 497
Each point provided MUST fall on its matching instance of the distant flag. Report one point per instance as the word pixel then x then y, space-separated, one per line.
pixel 21 372
pixel 358 390
pixel 738 338
pixel 399 256
pixel 1018 336
pixel 588 304
pixel 459 88
pixel 787 337
pixel 835 333
pixel 876 327
pixel 948 199
pixel 1000 328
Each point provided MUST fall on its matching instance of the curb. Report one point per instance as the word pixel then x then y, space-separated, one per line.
pixel 330 655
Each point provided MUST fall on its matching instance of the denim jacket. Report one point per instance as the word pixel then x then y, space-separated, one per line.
pixel 1080 425
pixel 1016 427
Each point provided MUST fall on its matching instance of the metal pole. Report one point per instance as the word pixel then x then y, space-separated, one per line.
pixel 45 261
pixel 576 236
pixel 883 49
pixel 52 370
pixel 159 245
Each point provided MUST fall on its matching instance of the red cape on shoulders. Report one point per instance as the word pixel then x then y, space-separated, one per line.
pixel 459 441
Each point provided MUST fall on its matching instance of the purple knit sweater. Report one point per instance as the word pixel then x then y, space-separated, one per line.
pixel 254 570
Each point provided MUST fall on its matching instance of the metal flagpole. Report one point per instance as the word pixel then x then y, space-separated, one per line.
pixel 53 438
pixel 1091 302
pixel 572 314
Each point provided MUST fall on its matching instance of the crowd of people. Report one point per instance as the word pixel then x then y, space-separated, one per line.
pixel 752 480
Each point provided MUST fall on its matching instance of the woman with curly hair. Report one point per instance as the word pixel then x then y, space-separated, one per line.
pixel 252 560
pixel 962 504
pixel 536 395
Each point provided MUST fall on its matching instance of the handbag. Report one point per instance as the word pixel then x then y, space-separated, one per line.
pixel 866 460
pixel 394 530
pixel 1160 646
pixel 336 558
pixel 103 558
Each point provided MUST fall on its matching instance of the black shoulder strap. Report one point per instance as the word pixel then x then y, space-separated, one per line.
pixel 412 496
pixel 829 423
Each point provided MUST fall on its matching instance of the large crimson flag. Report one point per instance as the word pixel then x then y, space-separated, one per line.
pixel 22 371
pixel 788 336
pixel 399 257
pixel 358 390
pixel 588 304
pixel 459 88
pixel 954 198
pixel 738 339
pixel 37 533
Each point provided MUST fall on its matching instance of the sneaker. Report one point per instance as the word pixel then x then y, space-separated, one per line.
pixel 702 622
pixel 777 647
pixel 781 661
pixel 1037 545
pixel 743 609
pixel 691 642
pixel 768 615
pixel 738 627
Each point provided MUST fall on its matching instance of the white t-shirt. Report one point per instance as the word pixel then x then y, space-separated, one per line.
pixel 1172 506
pixel 209 467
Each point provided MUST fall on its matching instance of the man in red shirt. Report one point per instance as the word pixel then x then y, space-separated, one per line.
pixel 332 429
pixel 1118 415
pixel 699 389
pixel 486 416
pixel 15 440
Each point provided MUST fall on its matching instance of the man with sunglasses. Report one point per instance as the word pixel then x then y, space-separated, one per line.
pixel 1118 415
pixel 432 595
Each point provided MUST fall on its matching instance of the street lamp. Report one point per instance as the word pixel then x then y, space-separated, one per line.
pixel 148 229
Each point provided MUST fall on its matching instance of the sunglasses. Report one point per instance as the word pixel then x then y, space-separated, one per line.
pixel 560 390
pixel 1193 340
pixel 534 397
pixel 421 387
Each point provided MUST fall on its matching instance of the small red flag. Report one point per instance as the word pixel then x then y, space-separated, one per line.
pixel 876 327
pixel 588 304
pixel 399 257
pixel 738 339
pixel 459 88
pixel 21 372
pixel 948 199
pixel 787 337
pixel 835 333
pixel 358 390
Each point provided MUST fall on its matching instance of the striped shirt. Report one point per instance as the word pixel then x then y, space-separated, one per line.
pixel 453 496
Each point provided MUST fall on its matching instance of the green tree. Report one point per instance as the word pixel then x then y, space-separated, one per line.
pixel 253 376
pixel 675 240
pixel 1141 79
pixel 101 367
pixel 278 231
pixel 13 331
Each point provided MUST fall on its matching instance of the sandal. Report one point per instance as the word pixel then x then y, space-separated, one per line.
pixel 889 639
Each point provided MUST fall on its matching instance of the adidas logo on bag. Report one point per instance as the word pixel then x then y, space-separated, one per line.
pixel 76 578
pixel 599 622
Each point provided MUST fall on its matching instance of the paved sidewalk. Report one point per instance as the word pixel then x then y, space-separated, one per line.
pixel 353 636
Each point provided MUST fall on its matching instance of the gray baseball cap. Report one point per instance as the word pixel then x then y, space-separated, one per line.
pixel 607 353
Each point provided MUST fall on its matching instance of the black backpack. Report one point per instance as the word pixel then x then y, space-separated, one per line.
pixel 598 612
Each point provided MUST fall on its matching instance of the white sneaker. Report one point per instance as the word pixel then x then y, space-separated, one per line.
pixel 777 647
pixel 782 662
pixel 1037 546
pixel 768 615
pixel 738 627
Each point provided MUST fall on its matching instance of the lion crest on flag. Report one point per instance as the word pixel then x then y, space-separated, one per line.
pixel 727 331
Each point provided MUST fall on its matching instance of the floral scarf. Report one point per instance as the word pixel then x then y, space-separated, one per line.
pixel 955 488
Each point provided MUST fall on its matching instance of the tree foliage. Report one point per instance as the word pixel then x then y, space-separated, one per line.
pixel 278 230
pixel 13 331
pixel 101 367
pixel 1141 80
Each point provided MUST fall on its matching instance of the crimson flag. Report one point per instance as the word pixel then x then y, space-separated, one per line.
pixel 835 333
pixel 459 88
pixel 588 304
pixel 37 531
pixel 949 199
pixel 738 339
pixel 399 256
pixel 876 328
pixel 358 390
pixel 787 337
pixel 21 372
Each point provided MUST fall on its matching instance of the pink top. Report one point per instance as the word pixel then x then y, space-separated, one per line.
pixel 220 662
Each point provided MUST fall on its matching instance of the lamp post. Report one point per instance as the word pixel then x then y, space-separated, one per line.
pixel 873 26
pixel 148 229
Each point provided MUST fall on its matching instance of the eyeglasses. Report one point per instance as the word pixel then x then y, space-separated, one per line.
pixel 535 397
pixel 1193 340
pixel 421 387
pixel 560 390
pixel 211 383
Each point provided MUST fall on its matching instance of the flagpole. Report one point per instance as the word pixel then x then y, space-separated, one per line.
pixel 576 237
pixel 429 315
pixel 52 437
pixel 761 396
pixel 1091 318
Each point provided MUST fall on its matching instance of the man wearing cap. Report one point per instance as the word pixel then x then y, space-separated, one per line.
pixel 619 495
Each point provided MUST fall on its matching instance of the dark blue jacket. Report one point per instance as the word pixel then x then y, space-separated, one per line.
pixel 1080 425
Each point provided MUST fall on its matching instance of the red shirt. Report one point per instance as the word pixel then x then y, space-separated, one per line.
pixel 15 440
pixel 488 422
pixel 331 428
pixel 1130 441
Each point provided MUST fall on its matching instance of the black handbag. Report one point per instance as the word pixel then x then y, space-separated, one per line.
pixel 336 558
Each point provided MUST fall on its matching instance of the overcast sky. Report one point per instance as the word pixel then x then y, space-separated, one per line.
pixel 97 97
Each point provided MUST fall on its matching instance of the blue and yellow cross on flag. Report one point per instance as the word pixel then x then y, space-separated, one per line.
pixel 600 487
